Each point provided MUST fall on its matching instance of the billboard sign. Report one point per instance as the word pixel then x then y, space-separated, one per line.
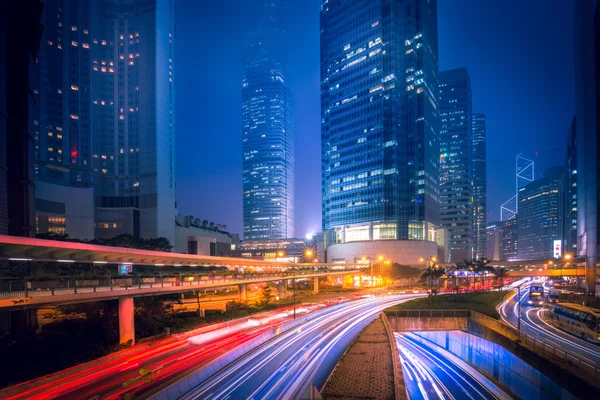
pixel 125 269
pixel 557 248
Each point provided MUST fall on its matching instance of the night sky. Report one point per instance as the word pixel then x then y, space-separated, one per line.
pixel 519 55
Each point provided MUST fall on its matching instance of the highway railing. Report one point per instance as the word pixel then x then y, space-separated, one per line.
pixel 458 313
pixel 64 286
pixel 541 347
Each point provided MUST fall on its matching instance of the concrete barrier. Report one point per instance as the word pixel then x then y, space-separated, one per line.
pixel 399 386
pixel 570 379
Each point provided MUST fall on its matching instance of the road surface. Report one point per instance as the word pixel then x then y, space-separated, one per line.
pixel 284 367
pixel 146 367
pixel 533 325
pixel 431 373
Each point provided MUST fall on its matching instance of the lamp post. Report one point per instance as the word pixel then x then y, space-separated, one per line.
pixel 371 268
pixel 308 255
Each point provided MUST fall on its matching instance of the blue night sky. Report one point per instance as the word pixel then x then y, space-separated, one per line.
pixel 518 53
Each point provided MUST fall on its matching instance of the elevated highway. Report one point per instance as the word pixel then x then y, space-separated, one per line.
pixel 21 296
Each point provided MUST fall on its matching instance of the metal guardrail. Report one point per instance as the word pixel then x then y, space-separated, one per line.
pixel 428 313
pixel 28 288
pixel 542 348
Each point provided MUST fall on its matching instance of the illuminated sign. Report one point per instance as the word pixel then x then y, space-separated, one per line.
pixel 557 248
pixel 125 269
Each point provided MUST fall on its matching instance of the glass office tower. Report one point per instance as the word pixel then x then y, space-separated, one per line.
pixel 267 134
pixel 538 220
pixel 456 168
pixel 479 186
pixel 105 116
pixel 379 109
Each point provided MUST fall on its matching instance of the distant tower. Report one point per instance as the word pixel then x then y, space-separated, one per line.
pixel 525 174
pixel 267 134
pixel 479 186
pixel 456 168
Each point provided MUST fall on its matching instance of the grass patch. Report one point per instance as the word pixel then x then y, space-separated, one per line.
pixel 484 302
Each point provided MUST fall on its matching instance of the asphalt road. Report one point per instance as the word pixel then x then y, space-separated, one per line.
pixel 284 367
pixel 430 374
pixel 533 325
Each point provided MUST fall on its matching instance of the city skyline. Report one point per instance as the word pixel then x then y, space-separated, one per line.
pixel 509 123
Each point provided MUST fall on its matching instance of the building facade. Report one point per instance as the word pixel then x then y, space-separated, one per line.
pixel 538 220
pixel 105 110
pixel 493 236
pixel 191 238
pixel 509 240
pixel 456 162
pixel 479 186
pixel 267 134
pixel 587 95
pixel 64 210
pixel 569 193
pixel 379 120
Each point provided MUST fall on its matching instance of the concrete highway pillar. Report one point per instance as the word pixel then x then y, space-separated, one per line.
pixel 23 323
pixel 126 320
pixel 316 285
pixel 242 292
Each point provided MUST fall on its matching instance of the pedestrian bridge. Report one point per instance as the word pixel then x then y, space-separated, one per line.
pixel 19 294
pixel 550 273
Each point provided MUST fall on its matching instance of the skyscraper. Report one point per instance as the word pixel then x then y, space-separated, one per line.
pixel 267 134
pixel 587 110
pixel 456 168
pixel 509 240
pixel 379 127
pixel 479 186
pixel 569 193
pixel 105 115
pixel 538 222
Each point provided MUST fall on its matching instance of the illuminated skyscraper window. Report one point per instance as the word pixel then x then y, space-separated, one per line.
pixel 267 134
pixel 379 119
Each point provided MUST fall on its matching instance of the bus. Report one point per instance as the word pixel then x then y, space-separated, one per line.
pixel 535 296
pixel 578 320
pixel 553 296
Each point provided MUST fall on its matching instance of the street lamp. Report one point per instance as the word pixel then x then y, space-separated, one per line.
pixel 308 255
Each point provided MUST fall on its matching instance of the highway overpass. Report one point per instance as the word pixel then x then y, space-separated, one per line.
pixel 23 296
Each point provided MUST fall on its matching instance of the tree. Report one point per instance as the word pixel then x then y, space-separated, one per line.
pixel 481 266
pixel 211 225
pixel 500 274
pixel 224 227
pixel 464 265
pixel 218 227
pixel 204 223
pixel 432 273
pixel 265 296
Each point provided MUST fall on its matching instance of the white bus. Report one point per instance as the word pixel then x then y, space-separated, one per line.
pixel 578 320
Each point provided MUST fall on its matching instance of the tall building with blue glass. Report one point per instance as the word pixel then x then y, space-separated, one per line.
pixel 538 220
pixel 379 127
pixel 267 134
pixel 479 186
pixel 456 155
pixel 105 115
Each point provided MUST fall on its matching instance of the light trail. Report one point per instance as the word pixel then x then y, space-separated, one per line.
pixel 284 367
pixel 438 376
pixel 533 325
